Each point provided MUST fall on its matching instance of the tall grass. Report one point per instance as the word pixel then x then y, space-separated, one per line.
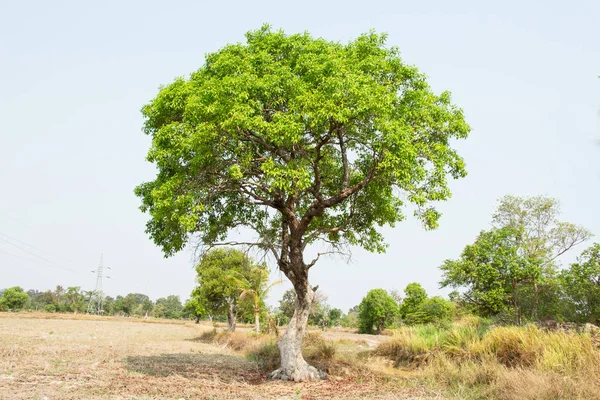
pixel 473 360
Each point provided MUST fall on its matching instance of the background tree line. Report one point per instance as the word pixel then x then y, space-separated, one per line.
pixel 510 273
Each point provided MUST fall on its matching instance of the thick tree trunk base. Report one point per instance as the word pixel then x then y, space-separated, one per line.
pixel 293 366
pixel 299 373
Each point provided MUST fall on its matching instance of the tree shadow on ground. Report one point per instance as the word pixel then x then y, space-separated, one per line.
pixel 219 367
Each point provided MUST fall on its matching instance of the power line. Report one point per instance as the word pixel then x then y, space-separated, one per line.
pixel 26 244
pixel 50 263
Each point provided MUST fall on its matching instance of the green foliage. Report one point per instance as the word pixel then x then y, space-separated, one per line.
pixel 414 296
pixel 377 309
pixel 287 303
pixel 581 283
pixel 228 282
pixel 137 304
pixel 332 138
pixel 194 308
pixel 511 269
pixel 319 308
pixel 490 270
pixel 434 310
pixel 334 316
pixel 75 299
pixel 13 298
pixel 169 307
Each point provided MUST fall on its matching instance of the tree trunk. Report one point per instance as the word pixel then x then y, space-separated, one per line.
pixel 197 319
pixel 380 326
pixel 256 320
pixel 231 317
pixel 293 366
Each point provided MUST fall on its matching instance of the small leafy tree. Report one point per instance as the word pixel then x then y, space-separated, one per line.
pixel 216 290
pixel 377 309
pixel 195 309
pixel 13 298
pixel 255 287
pixel 301 140
pixel 414 296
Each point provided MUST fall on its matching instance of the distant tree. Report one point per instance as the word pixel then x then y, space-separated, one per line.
pixel 414 296
pixel 109 305
pixel 254 287
pixel 13 298
pixel 75 298
pixel 377 309
pixel 169 307
pixel 195 309
pixel 287 304
pixel 119 306
pixel 136 304
pixel 512 267
pixel 581 285
pixel 334 316
pixel 432 310
pixel 216 290
pixel 493 271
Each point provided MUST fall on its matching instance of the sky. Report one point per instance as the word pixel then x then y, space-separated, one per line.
pixel 74 76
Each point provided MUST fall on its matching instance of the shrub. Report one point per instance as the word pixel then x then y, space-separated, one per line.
pixel 266 357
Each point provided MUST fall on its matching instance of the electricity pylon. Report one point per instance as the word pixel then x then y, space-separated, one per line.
pixel 96 304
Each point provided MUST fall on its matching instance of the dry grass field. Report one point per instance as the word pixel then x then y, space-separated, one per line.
pixel 85 357
pixel 59 356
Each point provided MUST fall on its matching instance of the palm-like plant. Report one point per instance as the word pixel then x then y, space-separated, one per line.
pixel 254 286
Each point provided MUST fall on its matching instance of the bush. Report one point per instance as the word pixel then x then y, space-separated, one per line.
pixel 266 357
pixel 50 308
pixel 13 298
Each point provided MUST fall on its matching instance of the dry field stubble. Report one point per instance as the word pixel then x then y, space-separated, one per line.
pixel 83 357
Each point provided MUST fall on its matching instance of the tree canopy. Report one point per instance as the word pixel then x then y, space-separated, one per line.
pixel 298 125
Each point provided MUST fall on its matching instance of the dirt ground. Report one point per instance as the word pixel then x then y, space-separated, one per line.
pixel 83 357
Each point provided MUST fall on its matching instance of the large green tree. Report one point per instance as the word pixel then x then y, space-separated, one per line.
pixel 302 141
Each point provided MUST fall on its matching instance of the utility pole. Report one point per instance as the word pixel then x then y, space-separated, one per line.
pixel 96 304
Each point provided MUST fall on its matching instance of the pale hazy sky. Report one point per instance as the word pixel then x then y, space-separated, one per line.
pixel 74 75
